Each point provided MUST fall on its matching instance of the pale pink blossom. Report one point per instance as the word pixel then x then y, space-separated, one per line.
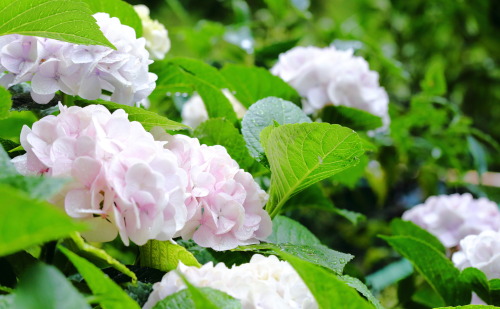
pixel 123 181
pixel 327 76
pixel 224 204
pixel 264 283
pixel 452 217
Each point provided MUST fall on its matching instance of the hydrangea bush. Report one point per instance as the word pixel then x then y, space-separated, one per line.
pixel 134 178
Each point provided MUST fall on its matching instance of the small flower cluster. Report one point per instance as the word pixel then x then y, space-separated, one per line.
pixel 194 111
pixel 452 217
pixel 157 42
pixel 87 71
pixel 126 182
pixel 224 204
pixel 265 282
pixel 327 76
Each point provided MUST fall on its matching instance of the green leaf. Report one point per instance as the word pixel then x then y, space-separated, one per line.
pixel 211 298
pixel 118 8
pixel 434 82
pixel 470 307
pixel 363 289
pixel 43 285
pixel 78 245
pixel 165 256
pixel 5 103
pixel 108 293
pixel 303 154
pixel 434 266
pixel 26 222
pixel 353 118
pixel 286 230
pixel 37 187
pixel 252 84
pixel 263 114
pixel 408 228
pixel 219 131
pixel 184 299
pixel 317 254
pixel 187 75
pixel 65 20
pixel 328 289
pixel 478 154
pixel 478 282
pixel 146 118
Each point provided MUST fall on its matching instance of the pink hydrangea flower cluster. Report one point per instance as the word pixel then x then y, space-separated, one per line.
pixel 224 204
pixel 327 76
pixel 123 180
pixel 265 283
pixel 452 217
pixel 126 182
pixel 87 71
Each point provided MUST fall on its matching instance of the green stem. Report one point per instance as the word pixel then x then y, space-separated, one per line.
pixel 6 289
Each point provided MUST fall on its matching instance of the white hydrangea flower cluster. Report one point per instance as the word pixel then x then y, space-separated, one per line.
pixel 194 111
pixel 123 180
pixel 224 204
pixel 87 71
pixel 157 41
pixel 452 217
pixel 327 76
pixel 264 283
pixel 480 251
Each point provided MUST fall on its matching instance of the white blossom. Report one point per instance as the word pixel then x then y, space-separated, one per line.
pixel 452 217
pixel 157 42
pixel 327 76
pixel 263 283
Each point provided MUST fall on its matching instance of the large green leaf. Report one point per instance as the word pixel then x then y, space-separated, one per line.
pixel 408 228
pixel 108 293
pixel 353 118
pixel 316 253
pixel 146 118
pixel 327 288
pixel 26 222
pixel 263 114
pixel 186 299
pixel 165 255
pixel 252 84
pixel 118 8
pixel 434 266
pixel 43 286
pixel 303 154
pixel 188 75
pixel 5 103
pixel 65 20
pixel 219 131
pixel 35 186
pixel 286 230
